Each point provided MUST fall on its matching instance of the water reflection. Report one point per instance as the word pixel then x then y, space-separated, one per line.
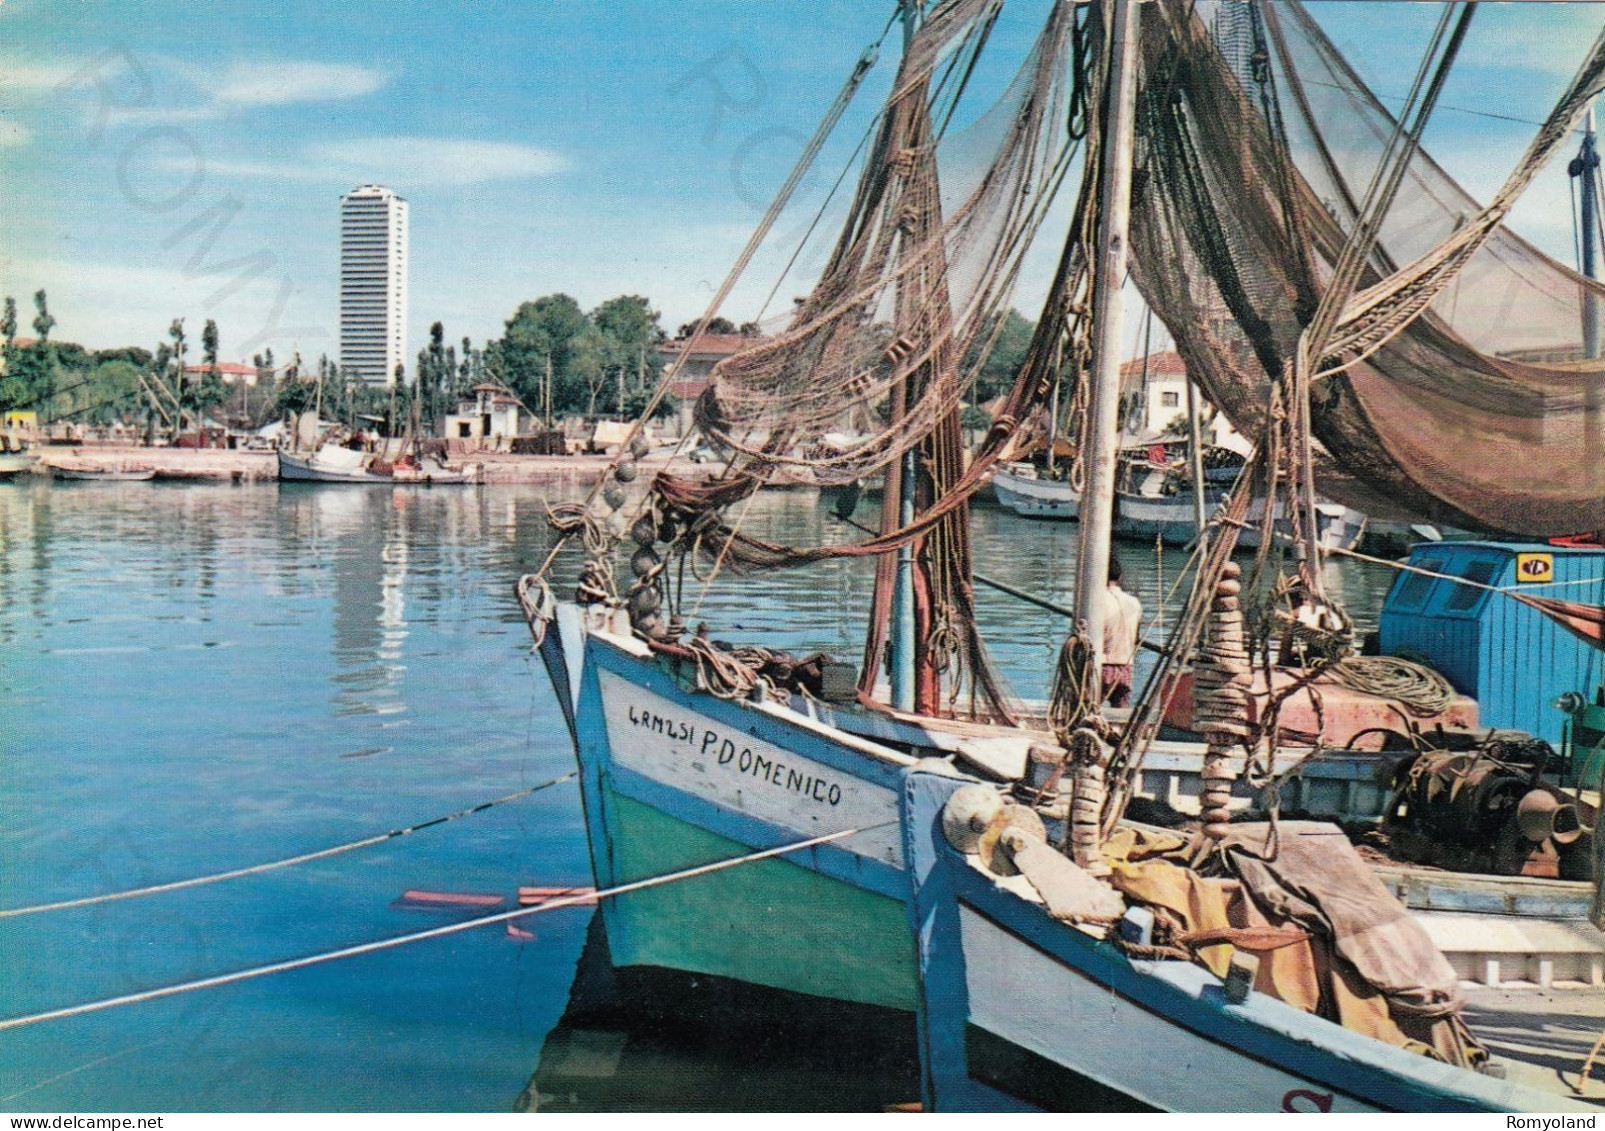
pixel 649 1041
pixel 210 676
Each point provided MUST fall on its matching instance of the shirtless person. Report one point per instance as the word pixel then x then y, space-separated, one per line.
pixel 1122 621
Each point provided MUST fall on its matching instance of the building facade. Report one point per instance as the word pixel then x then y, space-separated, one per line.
pixel 373 284
pixel 488 416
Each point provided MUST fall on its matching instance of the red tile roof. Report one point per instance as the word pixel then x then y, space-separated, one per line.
pixel 709 345
pixel 1167 364
pixel 231 368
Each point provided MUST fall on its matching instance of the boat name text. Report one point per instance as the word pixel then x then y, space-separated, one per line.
pixel 743 759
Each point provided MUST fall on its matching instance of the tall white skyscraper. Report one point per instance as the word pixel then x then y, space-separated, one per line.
pixel 373 284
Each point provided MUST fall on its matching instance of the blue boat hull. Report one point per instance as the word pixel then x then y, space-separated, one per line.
pixel 1022 1012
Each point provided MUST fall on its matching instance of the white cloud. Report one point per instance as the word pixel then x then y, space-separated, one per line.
pixel 16 75
pixel 284 82
pixel 14 134
pixel 403 162
pixel 158 115
pixel 437 160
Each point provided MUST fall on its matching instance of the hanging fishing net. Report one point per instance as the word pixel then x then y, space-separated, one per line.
pixel 1454 381
pixel 872 359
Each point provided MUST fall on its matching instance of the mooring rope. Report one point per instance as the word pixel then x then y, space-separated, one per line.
pixel 431 933
pixel 256 869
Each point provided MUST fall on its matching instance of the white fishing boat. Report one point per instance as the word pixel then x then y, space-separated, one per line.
pixel 97 473
pixel 1025 490
pixel 17 455
pixel 1158 508
pixel 432 472
pixel 331 463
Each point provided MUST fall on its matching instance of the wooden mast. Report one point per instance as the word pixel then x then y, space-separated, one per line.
pixel 1097 504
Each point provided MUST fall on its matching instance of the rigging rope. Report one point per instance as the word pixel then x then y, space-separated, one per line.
pixel 804 162
pixel 432 933
pixel 304 858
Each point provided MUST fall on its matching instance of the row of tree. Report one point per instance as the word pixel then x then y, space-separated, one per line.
pixel 554 356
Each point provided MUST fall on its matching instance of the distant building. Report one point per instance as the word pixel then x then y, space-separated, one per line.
pixel 709 350
pixel 1160 405
pixel 488 414
pixel 373 284
pixel 692 378
pixel 229 372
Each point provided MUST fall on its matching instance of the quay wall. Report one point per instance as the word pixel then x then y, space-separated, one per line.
pixel 248 465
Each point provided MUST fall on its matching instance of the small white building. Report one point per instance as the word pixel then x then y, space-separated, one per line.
pixel 488 415
pixel 1155 403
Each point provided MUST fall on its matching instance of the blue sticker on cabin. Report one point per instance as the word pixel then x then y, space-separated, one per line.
pixel 1509 657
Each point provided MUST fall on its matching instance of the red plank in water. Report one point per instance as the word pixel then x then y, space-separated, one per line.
pixel 449 899
pixel 530 896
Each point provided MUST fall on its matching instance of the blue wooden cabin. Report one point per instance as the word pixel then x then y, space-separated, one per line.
pixel 1508 656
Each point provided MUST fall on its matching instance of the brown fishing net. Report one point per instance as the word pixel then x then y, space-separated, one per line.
pixel 1454 380
pixel 925 265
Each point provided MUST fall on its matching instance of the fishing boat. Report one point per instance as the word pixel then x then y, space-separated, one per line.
pixel 1156 507
pixel 331 463
pixel 1024 489
pixel 693 750
pixel 95 473
pixel 690 749
pixel 1158 504
pixel 338 462
pixel 16 457
pixel 1027 1011
pixel 1078 968
pixel 431 472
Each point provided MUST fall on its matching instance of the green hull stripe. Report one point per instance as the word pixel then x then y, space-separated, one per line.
pixel 772 922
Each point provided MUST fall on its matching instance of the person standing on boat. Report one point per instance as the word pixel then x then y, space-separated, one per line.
pixel 1122 621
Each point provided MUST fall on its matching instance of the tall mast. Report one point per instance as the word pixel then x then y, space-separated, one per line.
pixel 1586 169
pixel 1097 504
pixel 903 645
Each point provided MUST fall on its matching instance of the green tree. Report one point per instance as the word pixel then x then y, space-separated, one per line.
pixel 139 358
pixel 719 325
pixel 44 321
pixel 468 372
pixel 30 374
pixel 291 395
pixel 549 331
pixel 630 335
pixel 206 391
pixel 113 391
pixel 998 369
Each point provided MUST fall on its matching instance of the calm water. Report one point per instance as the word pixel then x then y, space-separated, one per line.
pixel 196 678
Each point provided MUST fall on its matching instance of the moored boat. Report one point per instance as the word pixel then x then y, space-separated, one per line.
pixel 1024 490
pixel 16 457
pixel 1027 1008
pixel 93 473
pixel 331 463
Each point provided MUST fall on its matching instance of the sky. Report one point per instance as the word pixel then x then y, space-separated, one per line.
pixel 173 158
